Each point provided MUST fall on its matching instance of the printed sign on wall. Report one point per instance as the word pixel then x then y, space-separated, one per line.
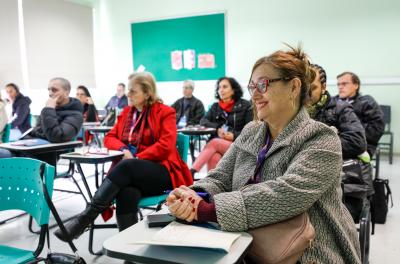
pixel 181 48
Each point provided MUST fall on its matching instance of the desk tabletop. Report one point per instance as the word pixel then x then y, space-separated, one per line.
pixel 92 158
pixel 99 129
pixel 118 246
pixel 197 130
pixel 42 148
pixel 90 124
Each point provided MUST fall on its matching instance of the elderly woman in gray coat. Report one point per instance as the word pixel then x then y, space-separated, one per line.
pixel 282 164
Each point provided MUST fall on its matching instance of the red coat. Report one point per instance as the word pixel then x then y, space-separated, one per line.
pixel 161 120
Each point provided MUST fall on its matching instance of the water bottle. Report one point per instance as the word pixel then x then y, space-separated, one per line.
pixel 182 122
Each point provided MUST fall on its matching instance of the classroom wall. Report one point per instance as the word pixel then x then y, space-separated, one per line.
pixel 341 35
pixel 59 43
pixel 10 59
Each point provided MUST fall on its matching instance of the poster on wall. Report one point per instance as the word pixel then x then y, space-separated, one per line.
pixel 181 48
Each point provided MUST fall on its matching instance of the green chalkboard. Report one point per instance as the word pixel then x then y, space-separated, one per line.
pixel 181 48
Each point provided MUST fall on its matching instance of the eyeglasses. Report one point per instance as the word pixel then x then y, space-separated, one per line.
pixel 262 85
pixel 342 83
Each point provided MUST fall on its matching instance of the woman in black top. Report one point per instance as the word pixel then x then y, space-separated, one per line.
pixel 229 115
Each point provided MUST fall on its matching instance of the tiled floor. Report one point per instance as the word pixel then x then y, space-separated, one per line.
pixel 384 244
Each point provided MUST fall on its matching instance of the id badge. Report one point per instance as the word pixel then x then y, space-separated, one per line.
pixel 132 149
pixel 225 128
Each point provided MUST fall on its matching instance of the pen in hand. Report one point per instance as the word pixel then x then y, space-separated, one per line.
pixel 203 195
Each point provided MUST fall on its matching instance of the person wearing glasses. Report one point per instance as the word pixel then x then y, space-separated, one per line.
pixel 283 164
pixel 229 115
pixel 365 107
pixel 146 133
pixel 337 114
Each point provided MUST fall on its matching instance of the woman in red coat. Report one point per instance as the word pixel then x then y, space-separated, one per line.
pixel 146 133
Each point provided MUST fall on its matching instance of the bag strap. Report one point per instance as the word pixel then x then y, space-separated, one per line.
pixel 388 192
pixel 54 211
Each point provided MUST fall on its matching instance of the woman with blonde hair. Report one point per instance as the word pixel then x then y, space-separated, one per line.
pixel 146 133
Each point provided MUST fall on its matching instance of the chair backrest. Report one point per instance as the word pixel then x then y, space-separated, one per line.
pixel 6 134
pixel 387 115
pixel 182 144
pixel 21 187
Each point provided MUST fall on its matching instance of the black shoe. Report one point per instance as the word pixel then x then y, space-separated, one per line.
pixel 101 201
pixel 126 220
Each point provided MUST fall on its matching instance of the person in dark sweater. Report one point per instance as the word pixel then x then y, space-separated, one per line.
pixel 60 120
pixel 20 111
pixel 89 109
pixel 119 100
pixel 338 115
pixel 365 107
pixel 189 109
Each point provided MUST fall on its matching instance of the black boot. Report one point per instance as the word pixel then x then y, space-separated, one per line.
pixel 126 220
pixel 101 201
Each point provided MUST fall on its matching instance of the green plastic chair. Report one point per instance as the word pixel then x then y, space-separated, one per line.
pixel 151 202
pixel 21 189
pixel 182 144
pixel 6 134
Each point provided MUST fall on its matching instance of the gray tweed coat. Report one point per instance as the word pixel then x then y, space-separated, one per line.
pixel 301 173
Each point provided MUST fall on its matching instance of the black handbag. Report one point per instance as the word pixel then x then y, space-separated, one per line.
pixel 58 258
pixel 62 258
pixel 380 200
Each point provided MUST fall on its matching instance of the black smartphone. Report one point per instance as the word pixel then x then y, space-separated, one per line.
pixel 159 220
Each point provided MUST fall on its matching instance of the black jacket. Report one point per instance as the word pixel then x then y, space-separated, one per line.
pixel 61 124
pixel 194 110
pixel 20 107
pixel 241 115
pixel 341 115
pixel 371 117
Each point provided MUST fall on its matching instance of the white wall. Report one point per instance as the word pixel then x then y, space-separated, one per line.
pixel 355 35
pixel 10 60
pixel 59 43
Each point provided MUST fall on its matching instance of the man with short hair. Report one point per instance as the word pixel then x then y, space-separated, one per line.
pixel 189 109
pixel 61 118
pixel 365 107
pixel 119 100
pixel 337 114
pixel 59 121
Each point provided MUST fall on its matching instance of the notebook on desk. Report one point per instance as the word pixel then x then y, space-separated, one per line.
pixel 177 234
pixel 30 142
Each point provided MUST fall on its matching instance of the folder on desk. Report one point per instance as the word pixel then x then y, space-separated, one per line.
pixel 30 142
pixel 177 234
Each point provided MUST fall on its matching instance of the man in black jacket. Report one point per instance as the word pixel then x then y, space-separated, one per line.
pixel 60 120
pixel 337 114
pixel 189 109
pixel 365 107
